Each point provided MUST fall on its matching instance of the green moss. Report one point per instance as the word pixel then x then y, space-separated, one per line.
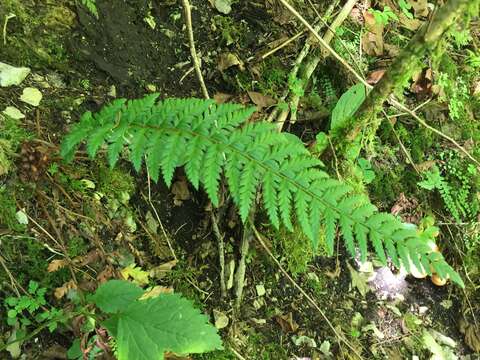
pixel 8 210
pixel 295 248
pixel 28 259
pixel 113 181
pixel 273 77
pixel 11 136
pixel 36 39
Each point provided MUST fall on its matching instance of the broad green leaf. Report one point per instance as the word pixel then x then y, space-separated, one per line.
pixel 346 106
pixel 149 328
pixel 116 295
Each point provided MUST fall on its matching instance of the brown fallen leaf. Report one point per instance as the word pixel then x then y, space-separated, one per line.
pixel 106 274
pixel 375 76
pixel 160 271
pixel 221 98
pixel 180 191
pixel 420 7
pixel 410 24
pixel 61 291
pixel 372 40
pixel 472 335
pixel 422 83
pixel 227 60
pixel 155 291
pixel 56 264
pixel 262 101
pixel 287 323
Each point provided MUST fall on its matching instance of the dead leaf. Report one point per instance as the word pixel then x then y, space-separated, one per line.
pixel 278 12
pixel 160 271
pixel 221 98
pixel 392 50
pixel 56 265
pixel 375 76
pixel 372 40
pixel 227 60
pixel 420 7
pixel 90 257
pixel 410 24
pixel 287 323
pixel 106 274
pixel 422 83
pixel 61 291
pixel 136 273
pixel 155 291
pixel 359 280
pixel 180 191
pixel 472 335
pixel 262 101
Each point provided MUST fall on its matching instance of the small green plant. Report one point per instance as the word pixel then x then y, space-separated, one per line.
pixel 456 184
pixel 30 309
pixel 252 156
pixel 142 325
pixel 146 327
pixel 405 7
pixel 91 6
pixel 384 17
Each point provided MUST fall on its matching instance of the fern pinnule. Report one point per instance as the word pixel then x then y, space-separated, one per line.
pixel 209 139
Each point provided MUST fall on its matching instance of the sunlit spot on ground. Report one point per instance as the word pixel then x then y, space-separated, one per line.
pixel 389 285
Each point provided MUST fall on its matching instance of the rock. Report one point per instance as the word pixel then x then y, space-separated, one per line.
pixel 223 6
pixel 221 320
pixel 13 112
pixel 11 75
pixel 260 290
pixel 31 96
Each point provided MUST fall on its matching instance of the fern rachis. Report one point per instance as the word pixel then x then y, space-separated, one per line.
pixel 208 139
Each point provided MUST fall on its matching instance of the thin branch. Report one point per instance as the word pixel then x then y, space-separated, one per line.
pixel 193 51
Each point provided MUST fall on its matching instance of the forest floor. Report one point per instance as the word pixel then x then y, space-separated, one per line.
pixel 115 223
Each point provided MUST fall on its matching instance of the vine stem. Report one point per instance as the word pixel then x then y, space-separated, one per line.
pixel 221 253
pixel 340 337
pixel 242 263
pixel 193 51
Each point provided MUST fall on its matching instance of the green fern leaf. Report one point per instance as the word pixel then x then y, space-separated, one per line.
pixel 209 140
pixel 213 161
pixel 270 185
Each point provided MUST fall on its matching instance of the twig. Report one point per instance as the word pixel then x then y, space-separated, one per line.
pixel 167 238
pixel 279 47
pixel 236 353
pixel 404 149
pixel 9 273
pixel 242 264
pixel 221 253
pixel 193 51
pixel 308 297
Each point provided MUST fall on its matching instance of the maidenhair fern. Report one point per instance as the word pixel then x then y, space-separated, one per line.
pixel 209 140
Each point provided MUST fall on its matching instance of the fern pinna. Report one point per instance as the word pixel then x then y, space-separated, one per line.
pixel 210 139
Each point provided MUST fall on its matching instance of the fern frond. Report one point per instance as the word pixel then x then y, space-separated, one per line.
pixel 209 139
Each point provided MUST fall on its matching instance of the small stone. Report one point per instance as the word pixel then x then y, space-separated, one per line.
pixel 151 88
pixel 13 112
pixel 31 96
pixel 223 6
pixel 260 290
pixel 221 320
pixel 11 75
pixel 112 92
